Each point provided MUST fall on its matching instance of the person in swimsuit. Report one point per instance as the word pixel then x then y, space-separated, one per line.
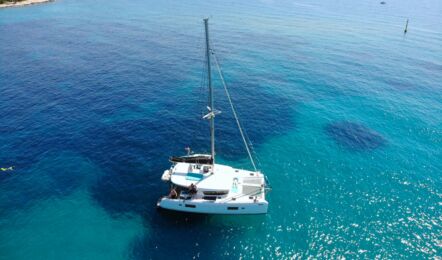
pixel 192 189
pixel 7 169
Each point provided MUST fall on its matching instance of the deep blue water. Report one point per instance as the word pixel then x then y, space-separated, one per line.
pixel 343 109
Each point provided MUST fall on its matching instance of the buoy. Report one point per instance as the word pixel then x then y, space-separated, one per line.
pixel 406 27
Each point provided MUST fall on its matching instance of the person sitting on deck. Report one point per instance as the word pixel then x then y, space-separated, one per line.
pixel 192 189
pixel 173 194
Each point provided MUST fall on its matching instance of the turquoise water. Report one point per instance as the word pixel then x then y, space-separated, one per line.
pixel 344 111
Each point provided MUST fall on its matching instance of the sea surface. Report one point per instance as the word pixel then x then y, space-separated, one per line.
pixel 344 112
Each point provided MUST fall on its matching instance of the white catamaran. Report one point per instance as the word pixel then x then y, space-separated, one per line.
pixel 199 185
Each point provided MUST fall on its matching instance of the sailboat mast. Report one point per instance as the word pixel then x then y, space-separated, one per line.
pixel 209 79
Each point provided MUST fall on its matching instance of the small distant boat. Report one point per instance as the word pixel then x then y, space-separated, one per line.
pixel 199 185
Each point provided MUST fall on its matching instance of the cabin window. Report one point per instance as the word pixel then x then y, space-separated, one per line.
pixel 209 197
pixel 215 193
pixel 190 206
pixel 232 208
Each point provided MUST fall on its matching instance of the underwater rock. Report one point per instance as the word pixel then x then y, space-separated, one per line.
pixel 133 153
pixel 354 136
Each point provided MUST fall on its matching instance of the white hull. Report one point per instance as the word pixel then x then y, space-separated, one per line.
pixel 198 185
pixel 218 189
pixel 213 207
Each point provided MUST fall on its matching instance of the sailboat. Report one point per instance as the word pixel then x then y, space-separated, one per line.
pixel 200 185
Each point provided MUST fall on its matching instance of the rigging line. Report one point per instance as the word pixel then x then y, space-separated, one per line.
pixel 249 142
pixel 233 110
pixel 255 155
pixel 252 148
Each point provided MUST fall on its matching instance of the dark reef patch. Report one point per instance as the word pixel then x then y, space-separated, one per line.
pixel 354 136
pixel 401 85
pixel 126 101
pixel 431 66
pixel 134 153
